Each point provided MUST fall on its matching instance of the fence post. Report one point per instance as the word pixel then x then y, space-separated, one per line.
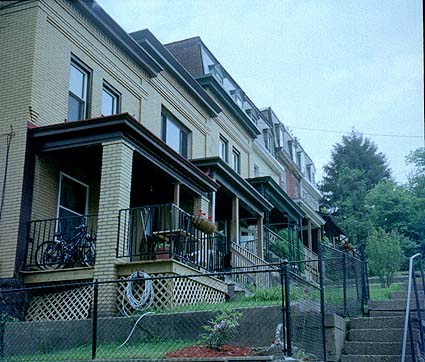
pixel 322 299
pixel 365 281
pixel 94 320
pixel 287 309
pixel 282 288
pixel 344 282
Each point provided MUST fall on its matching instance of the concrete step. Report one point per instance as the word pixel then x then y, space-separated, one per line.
pixel 393 305
pixel 378 335
pixel 403 295
pixel 372 348
pixel 393 313
pixel 377 322
pixel 374 358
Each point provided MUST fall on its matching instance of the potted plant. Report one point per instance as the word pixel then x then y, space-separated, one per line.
pixel 203 223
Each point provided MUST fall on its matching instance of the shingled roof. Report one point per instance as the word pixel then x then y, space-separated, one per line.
pixel 188 53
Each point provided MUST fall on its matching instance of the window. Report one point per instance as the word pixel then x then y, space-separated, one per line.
pixel 79 76
pixel 73 197
pixel 110 100
pixel 174 134
pixel 224 149
pixel 299 159
pixel 256 170
pixel 236 160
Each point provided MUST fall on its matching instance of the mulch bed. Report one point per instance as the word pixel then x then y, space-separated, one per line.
pixel 200 351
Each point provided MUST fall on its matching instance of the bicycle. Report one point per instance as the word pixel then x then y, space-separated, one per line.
pixel 62 252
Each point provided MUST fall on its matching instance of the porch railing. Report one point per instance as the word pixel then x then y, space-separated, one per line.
pixel 311 265
pixel 61 231
pixel 243 258
pixel 168 232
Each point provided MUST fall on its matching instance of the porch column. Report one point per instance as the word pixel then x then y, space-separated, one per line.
pixel 176 198
pixel 260 238
pixel 212 206
pixel 309 236
pixel 200 203
pixel 115 186
pixel 234 227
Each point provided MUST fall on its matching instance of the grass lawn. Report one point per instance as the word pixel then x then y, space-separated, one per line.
pixel 379 293
pixel 108 351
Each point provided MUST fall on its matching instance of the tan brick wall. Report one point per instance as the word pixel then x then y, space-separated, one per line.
pixel 115 189
pixel 16 64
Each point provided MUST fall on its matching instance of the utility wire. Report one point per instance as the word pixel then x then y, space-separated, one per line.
pixel 342 132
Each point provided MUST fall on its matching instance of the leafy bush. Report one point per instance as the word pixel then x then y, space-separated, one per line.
pixel 221 329
pixel 384 253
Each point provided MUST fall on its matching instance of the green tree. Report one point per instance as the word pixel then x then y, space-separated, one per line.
pixel 355 167
pixel 392 207
pixel 384 253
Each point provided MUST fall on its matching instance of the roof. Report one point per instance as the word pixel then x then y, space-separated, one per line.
pixel 237 185
pixel 278 197
pixel 188 53
pixel 96 131
pixel 209 81
pixel 111 28
pixel 160 53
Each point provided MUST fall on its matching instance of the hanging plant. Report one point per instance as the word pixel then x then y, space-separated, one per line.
pixel 203 223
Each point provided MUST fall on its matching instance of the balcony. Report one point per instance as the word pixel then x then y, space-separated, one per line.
pixel 61 243
pixel 165 231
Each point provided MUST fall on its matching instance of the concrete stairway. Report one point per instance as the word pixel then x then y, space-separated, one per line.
pixel 379 337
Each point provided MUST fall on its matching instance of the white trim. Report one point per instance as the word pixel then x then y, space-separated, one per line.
pixel 61 174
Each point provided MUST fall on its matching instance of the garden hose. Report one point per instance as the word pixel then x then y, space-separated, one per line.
pixel 142 303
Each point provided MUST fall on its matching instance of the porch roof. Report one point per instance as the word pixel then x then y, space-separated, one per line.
pixel 332 224
pixel 311 214
pixel 268 187
pixel 122 127
pixel 249 197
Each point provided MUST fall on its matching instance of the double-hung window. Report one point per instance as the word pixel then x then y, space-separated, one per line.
pixel 72 203
pixel 79 77
pixel 110 100
pixel 224 149
pixel 236 160
pixel 175 134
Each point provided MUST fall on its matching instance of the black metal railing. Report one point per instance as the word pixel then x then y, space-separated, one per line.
pixel 166 231
pixel 414 318
pixel 61 243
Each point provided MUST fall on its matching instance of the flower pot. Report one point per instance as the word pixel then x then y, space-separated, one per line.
pixel 202 223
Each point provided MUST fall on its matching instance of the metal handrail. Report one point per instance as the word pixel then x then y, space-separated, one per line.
pixel 407 321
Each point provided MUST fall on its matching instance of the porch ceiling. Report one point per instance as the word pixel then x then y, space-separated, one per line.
pixel 267 187
pixel 122 127
pixel 249 198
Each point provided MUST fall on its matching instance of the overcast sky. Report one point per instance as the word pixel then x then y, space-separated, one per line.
pixel 324 66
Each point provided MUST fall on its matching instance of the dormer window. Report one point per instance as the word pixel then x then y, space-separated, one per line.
pixel 216 71
pixel 268 139
pixel 238 97
pixel 299 158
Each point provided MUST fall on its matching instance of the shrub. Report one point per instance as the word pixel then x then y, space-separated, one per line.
pixel 384 253
pixel 221 329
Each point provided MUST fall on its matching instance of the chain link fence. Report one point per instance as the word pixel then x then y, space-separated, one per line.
pixel 162 316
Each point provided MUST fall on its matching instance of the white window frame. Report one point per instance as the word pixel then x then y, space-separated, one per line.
pixel 183 129
pixel 115 95
pixel 224 143
pixel 236 166
pixel 80 66
pixel 61 175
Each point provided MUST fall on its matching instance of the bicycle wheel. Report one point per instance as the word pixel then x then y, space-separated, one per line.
pixel 49 255
pixel 88 253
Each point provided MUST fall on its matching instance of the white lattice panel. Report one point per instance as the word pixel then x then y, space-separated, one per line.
pixel 163 297
pixel 65 305
pixel 188 291
pixel 171 292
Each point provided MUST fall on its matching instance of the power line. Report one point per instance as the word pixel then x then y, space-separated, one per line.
pixel 364 133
